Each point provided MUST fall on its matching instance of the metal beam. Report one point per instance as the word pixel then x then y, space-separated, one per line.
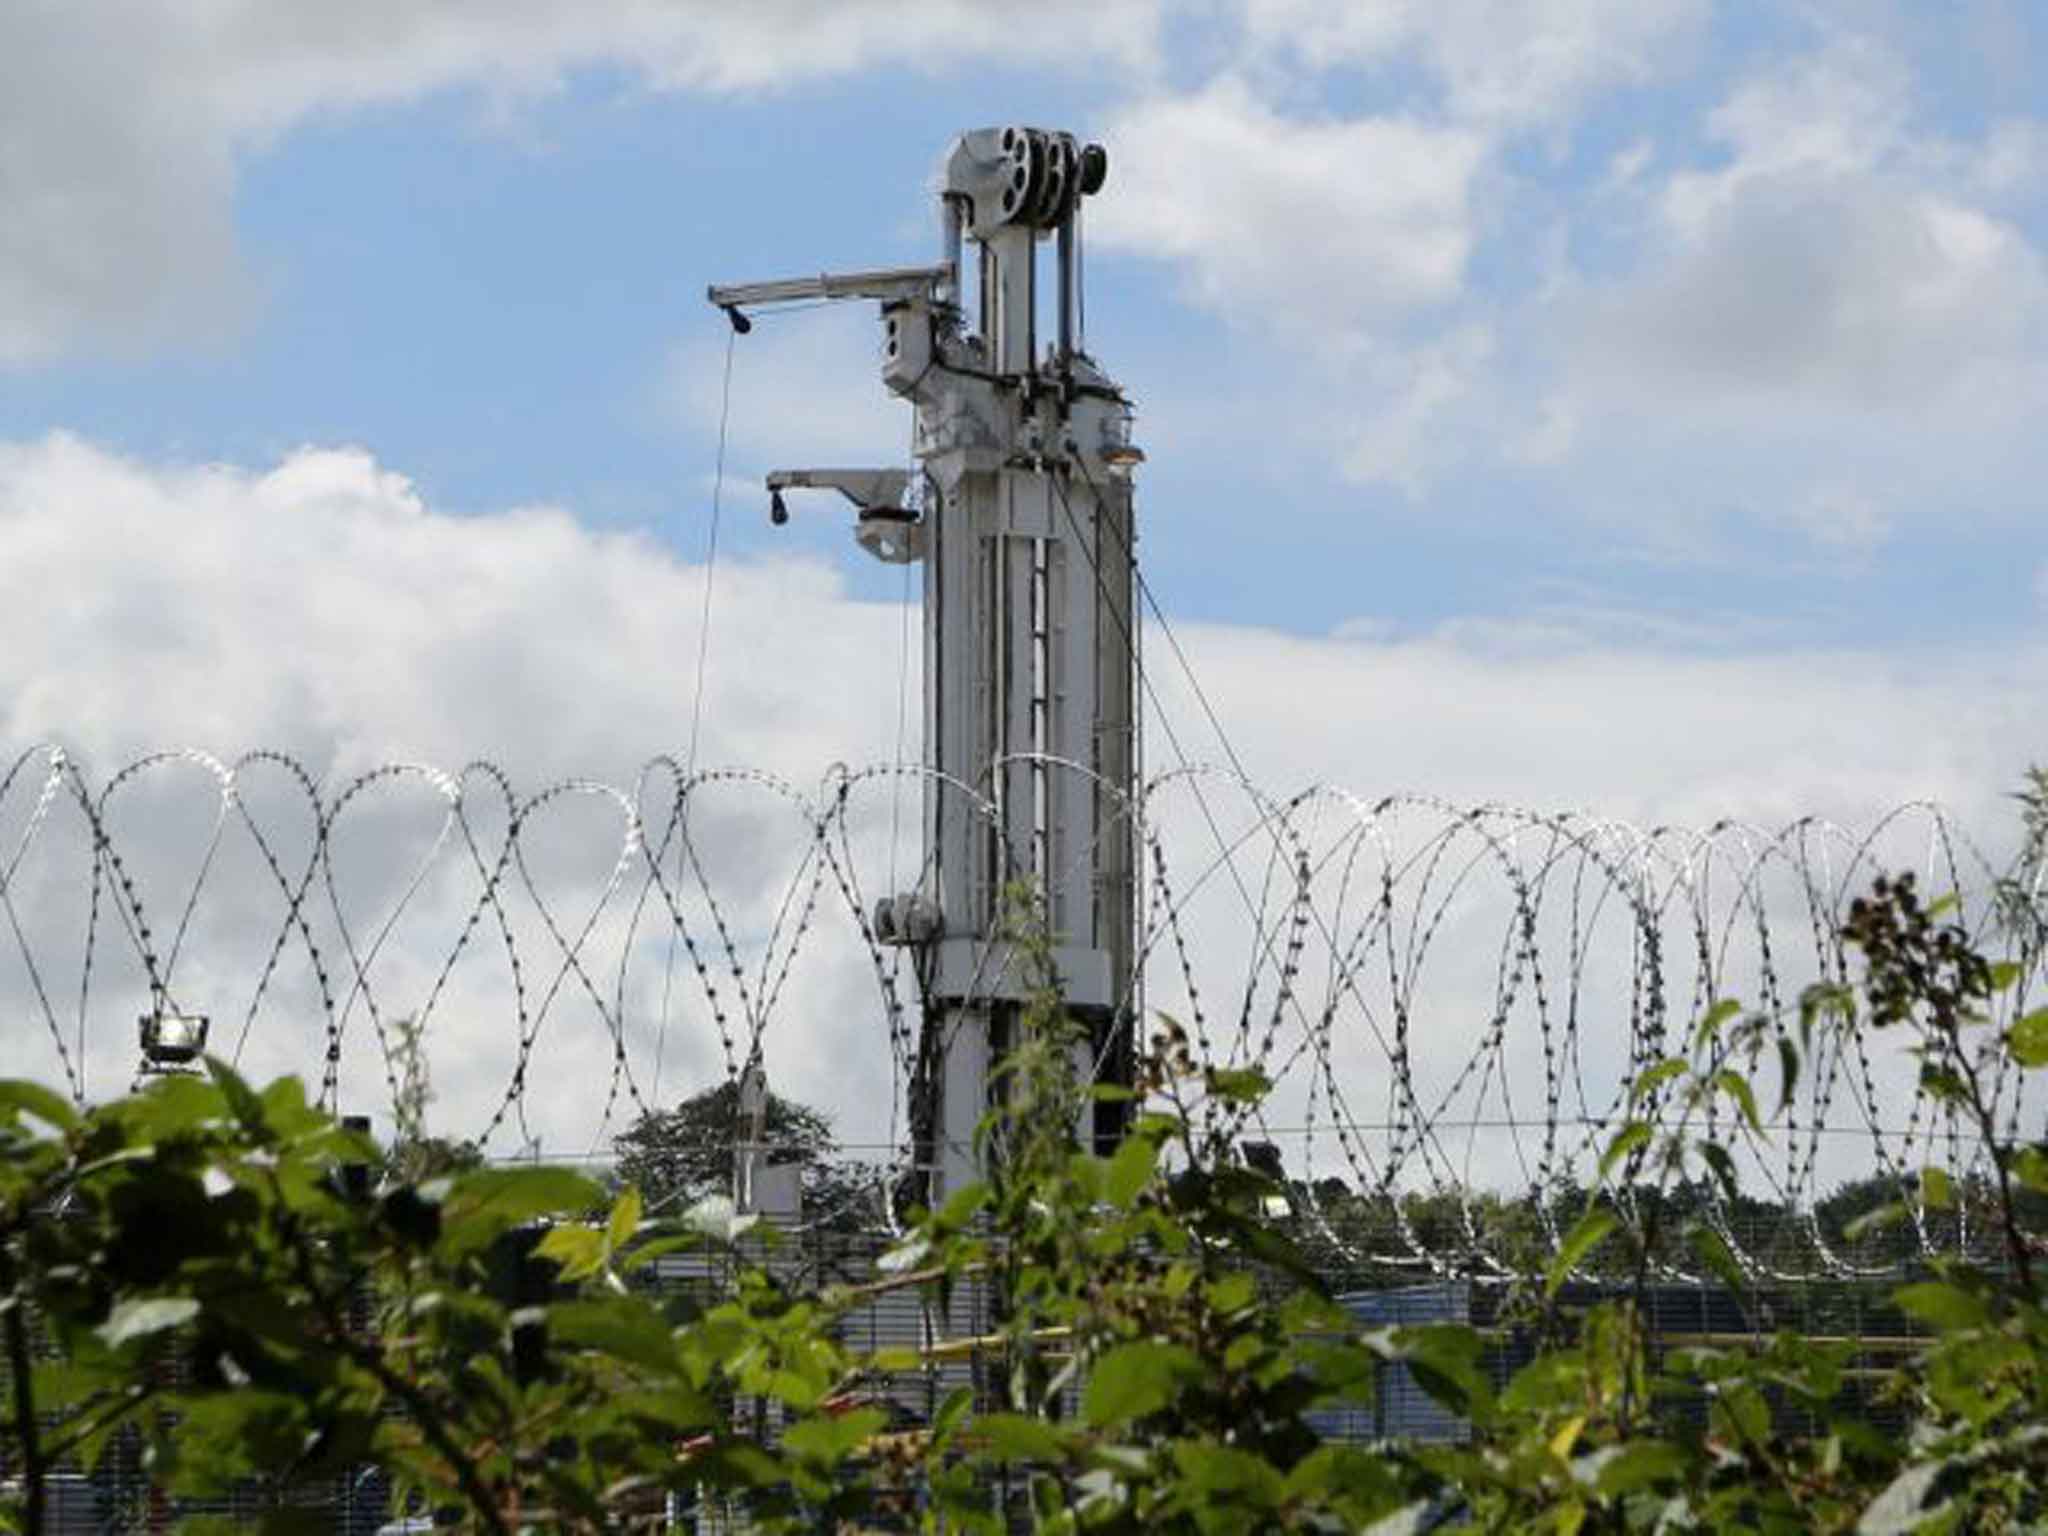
pixel 883 283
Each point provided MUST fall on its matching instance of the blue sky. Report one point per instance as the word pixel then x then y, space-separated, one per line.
pixel 490 277
pixel 1625 404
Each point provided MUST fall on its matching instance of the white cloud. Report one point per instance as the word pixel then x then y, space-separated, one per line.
pixel 1318 224
pixel 1857 291
pixel 1819 261
pixel 1549 437
pixel 1400 441
pixel 322 607
pixel 1573 713
pixel 121 127
pixel 2012 159
pixel 1827 323
pixel 1839 112
pixel 1840 516
pixel 303 596
pixel 804 392
pixel 1628 163
pixel 1497 61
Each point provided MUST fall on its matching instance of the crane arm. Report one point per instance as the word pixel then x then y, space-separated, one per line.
pixel 882 283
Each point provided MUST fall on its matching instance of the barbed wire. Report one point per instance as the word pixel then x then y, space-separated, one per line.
pixel 1449 1001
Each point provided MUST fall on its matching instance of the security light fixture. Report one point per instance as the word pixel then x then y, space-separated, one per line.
pixel 1122 459
pixel 171 1040
pixel 1120 456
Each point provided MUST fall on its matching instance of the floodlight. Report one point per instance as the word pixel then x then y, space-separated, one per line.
pixel 171 1040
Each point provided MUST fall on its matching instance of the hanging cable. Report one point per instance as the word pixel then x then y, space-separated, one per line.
pixel 1172 640
pixel 697 701
pixel 1252 907
pixel 711 554
pixel 1151 693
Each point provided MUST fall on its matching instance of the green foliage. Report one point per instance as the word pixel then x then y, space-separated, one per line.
pixel 681 1155
pixel 206 1283
pixel 191 1269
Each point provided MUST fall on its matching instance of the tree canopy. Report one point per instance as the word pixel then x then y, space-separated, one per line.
pixel 676 1156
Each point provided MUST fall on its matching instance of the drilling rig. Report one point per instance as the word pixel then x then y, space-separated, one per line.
pixel 1017 505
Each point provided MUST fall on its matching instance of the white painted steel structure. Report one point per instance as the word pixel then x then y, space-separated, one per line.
pixel 1022 521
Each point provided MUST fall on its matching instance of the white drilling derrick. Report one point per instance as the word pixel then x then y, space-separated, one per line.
pixel 1024 528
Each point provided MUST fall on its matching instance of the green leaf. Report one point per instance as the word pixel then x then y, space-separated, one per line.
pixel 1788 1072
pixel 577 1250
pixel 953 1411
pixel 486 1201
pixel 1237 1085
pixel 1348 1471
pixel 2028 1039
pixel 242 1100
pixel 1937 1191
pixel 1588 1233
pixel 1214 1470
pixel 1736 1086
pixel 646 1253
pixel 1720 1164
pixel 1824 997
pixel 1711 1021
pixel 1652 1078
pixel 625 1219
pixel 20 1097
pixel 1019 1437
pixel 1234 1291
pixel 1444 1359
pixel 1637 1465
pixel 139 1317
pixel 1742 1413
pixel 286 1111
pixel 962 1204
pixel 1133 1380
pixel 2030 1166
pixel 1943 1083
pixel 1129 1171
pixel 1628 1139
pixel 224 1437
pixel 830 1438
pixel 623 1327
pixel 1943 1305
pixel 170 1106
pixel 1714 1252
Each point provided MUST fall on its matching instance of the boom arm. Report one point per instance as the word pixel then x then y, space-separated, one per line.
pixel 884 283
pixel 865 488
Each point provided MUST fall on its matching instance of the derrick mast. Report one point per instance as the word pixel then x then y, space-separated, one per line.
pixel 1023 526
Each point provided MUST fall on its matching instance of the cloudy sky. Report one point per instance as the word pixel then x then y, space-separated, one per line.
pixel 1627 404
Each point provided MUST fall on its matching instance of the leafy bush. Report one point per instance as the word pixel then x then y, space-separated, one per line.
pixel 205 1272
